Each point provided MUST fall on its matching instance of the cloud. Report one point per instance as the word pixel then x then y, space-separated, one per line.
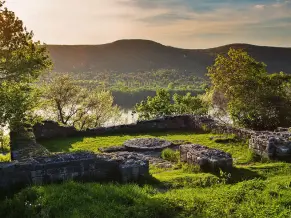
pixel 260 6
pixel 182 23
pixel 166 18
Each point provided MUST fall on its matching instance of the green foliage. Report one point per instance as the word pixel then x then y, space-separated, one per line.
pixel 162 105
pixel 137 81
pixel 19 102
pixel 171 155
pixel 77 106
pixel 21 62
pixel 188 104
pixel 242 88
pixel 4 146
pixel 154 107
pixel 4 141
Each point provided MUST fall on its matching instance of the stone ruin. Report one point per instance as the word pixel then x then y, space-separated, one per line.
pixel 272 144
pixel 148 144
pixel 33 164
pixel 208 159
pixel 148 149
pixel 81 166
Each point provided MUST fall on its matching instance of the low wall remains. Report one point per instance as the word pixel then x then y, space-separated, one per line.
pixel 263 143
pixel 32 164
pixel 51 129
pixel 272 144
pixel 81 166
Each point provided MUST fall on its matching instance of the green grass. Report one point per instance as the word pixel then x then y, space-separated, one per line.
pixel 4 157
pixel 4 148
pixel 171 155
pixel 251 190
pixel 194 195
pixel 239 150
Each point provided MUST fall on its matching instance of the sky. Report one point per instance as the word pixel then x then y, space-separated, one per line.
pixel 179 23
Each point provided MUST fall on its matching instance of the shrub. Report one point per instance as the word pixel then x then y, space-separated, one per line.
pixel 163 105
pixel 171 155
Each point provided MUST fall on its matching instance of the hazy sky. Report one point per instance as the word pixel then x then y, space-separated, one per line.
pixel 181 23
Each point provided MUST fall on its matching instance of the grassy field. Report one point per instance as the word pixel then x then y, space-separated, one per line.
pixel 253 189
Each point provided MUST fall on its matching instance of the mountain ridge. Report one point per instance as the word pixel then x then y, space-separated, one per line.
pixel 133 55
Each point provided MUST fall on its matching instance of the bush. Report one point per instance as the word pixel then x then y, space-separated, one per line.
pixel 171 155
pixel 163 105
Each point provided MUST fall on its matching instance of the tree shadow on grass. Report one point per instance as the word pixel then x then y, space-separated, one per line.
pixel 88 200
pixel 242 174
pixel 60 144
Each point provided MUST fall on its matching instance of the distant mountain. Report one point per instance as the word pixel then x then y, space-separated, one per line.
pixel 144 55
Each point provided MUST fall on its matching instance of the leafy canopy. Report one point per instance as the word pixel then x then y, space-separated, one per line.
pixel 71 104
pixel 242 88
pixel 163 105
pixel 21 61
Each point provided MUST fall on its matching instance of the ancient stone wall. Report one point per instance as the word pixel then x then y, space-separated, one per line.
pixel 50 129
pixel 263 143
pixel 83 166
pixel 272 144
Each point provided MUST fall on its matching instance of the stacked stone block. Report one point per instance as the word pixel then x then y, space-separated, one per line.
pixel 208 159
pixel 271 144
pixel 81 166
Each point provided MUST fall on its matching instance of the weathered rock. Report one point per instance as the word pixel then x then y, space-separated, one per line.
pixel 147 144
pixel 206 158
pixel 154 158
pixel 180 142
pixel 112 149
pixel 271 145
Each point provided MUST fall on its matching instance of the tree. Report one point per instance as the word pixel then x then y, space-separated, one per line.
pixel 163 105
pixel 157 106
pixel 242 88
pixel 71 104
pixel 21 62
pixel 97 110
pixel 65 98
pixel 189 104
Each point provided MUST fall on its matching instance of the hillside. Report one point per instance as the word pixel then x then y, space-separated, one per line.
pixel 142 55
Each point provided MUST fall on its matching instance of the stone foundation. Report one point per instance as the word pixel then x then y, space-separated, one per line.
pixel 208 159
pixel 81 166
pixel 147 144
pixel 272 144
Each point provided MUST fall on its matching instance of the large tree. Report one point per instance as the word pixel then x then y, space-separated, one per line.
pixel 71 104
pixel 21 61
pixel 242 88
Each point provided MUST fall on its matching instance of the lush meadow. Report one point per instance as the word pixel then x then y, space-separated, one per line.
pixel 255 188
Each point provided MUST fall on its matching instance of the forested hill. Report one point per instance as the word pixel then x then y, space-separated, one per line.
pixel 143 55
